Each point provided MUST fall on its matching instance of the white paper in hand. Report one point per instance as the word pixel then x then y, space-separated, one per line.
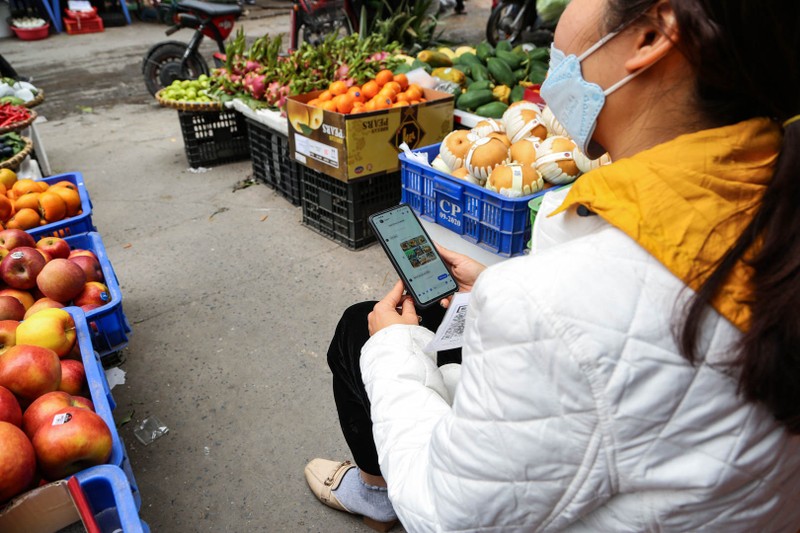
pixel 451 331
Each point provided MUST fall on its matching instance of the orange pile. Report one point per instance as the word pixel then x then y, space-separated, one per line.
pixel 27 204
pixel 385 91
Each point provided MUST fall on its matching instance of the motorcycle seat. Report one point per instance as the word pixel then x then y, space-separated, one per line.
pixel 212 10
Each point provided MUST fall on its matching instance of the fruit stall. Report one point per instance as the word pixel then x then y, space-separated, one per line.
pixel 61 320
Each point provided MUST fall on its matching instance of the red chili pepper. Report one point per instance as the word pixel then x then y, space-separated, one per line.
pixel 10 114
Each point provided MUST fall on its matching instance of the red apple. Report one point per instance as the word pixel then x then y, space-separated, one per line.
pixel 20 268
pixel 11 308
pixel 45 255
pixel 29 372
pixel 3 252
pixel 8 334
pixel 10 411
pixel 80 251
pixel 61 280
pixel 55 246
pixel 43 303
pixel 74 440
pixel 89 307
pixel 46 405
pixel 14 238
pixel 73 377
pixel 24 297
pixel 91 267
pixel 93 292
pixel 49 328
pixel 17 462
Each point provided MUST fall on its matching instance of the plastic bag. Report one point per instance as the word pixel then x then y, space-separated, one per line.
pixel 550 10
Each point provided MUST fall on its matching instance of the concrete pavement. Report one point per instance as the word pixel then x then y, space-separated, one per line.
pixel 232 301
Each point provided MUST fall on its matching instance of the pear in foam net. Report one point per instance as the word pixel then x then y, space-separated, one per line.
pixel 454 148
pixel 501 136
pixel 515 180
pixel 555 160
pixel 485 127
pixel 463 174
pixel 553 125
pixel 523 152
pixel 524 122
pixel 484 155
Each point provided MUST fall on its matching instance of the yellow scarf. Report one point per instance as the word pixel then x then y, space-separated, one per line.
pixel 687 201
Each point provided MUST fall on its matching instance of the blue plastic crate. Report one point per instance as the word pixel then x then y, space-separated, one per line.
pixel 108 325
pixel 102 399
pixel 492 221
pixel 106 488
pixel 73 225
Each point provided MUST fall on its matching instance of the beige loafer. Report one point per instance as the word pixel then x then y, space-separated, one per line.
pixel 324 476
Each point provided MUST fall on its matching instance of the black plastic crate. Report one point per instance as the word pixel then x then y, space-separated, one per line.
pixel 340 210
pixel 269 150
pixel 214 137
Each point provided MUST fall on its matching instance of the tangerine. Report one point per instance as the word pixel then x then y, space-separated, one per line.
pixel 370 89
pixel 383 77
pixel 393 86
pixel 338 87
pixel 402 97
pixel 402 79
pixel 414 91
pixel 369 106
pixel 329 106
pixel 344 103
pixel 399 104
pixel 314 102
pixel 382 102
pixel 355 91
pixel 325 96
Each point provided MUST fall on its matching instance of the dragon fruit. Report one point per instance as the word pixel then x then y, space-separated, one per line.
pixel 255 84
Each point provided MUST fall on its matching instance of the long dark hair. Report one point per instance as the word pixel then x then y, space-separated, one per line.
pixel 744 55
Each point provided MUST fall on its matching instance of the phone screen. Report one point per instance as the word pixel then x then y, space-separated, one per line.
pixel 413 254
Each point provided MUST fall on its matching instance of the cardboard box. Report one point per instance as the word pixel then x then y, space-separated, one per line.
pixel 349 147
pixel 47 509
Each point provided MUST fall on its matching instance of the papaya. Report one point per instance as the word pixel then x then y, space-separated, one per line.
pixel 517 94
pixel 501 72
pixel 520 74
pixel 473 99
pixel 491 110
pixel 537 72
pixel 468 58
pixel 478 85
pixel 504 46
pixel 513 60
pixel 539 54
pixel 484 51
pixel 479 72
pixel 435 59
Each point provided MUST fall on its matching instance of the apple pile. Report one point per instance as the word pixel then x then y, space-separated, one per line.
pixel 48 427
pixel 27 204
pixel 46 274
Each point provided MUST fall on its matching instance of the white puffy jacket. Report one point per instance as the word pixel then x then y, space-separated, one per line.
pixel 575 409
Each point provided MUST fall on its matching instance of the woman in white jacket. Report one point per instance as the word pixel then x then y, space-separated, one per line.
pixel 640 371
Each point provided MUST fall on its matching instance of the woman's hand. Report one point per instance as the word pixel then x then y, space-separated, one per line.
pixel 465 270
pixel 385 313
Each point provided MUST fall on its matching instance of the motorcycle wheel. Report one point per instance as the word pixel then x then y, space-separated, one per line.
pixel 324 24
pixel 499 28
pixel 162 66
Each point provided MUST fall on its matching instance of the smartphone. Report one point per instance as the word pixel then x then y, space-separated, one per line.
pixel 426 277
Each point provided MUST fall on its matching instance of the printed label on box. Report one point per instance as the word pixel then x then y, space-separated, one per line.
pixel 316 150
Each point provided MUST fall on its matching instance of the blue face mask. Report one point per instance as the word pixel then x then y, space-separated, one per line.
pixel 575 102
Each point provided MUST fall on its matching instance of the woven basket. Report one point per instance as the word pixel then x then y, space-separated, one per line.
pixel 188 106
pixel 36 101
pixel 14 162
pixel 21 125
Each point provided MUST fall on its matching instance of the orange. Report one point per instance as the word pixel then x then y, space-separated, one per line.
pixel 329 106
pixel 386 93
pixel 6 208
pixel 356 93
pixel 25 218
pixel 325 96
pixel 24 186
pixel 369 106
pixel 344 103
pixel 413 102
pixel 402 80
pixel 315 102
pixel 51 207
pixel 370 89
pixel 382 102
pixel 71 198
pixel 393 86
pixel 383 77
pixel 30 200
pixel 358 107
pixel 402 97
pixel 399 104
pixel 7 177
pixel 338 87
pixel 414 91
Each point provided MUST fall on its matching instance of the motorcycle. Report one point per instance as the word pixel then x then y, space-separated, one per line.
pixel 173 60
pixel 518 21
pixel 313 20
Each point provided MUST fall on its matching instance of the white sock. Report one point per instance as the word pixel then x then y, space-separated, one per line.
pixel 364 499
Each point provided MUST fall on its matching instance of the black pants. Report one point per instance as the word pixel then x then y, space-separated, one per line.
pixel 352 403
